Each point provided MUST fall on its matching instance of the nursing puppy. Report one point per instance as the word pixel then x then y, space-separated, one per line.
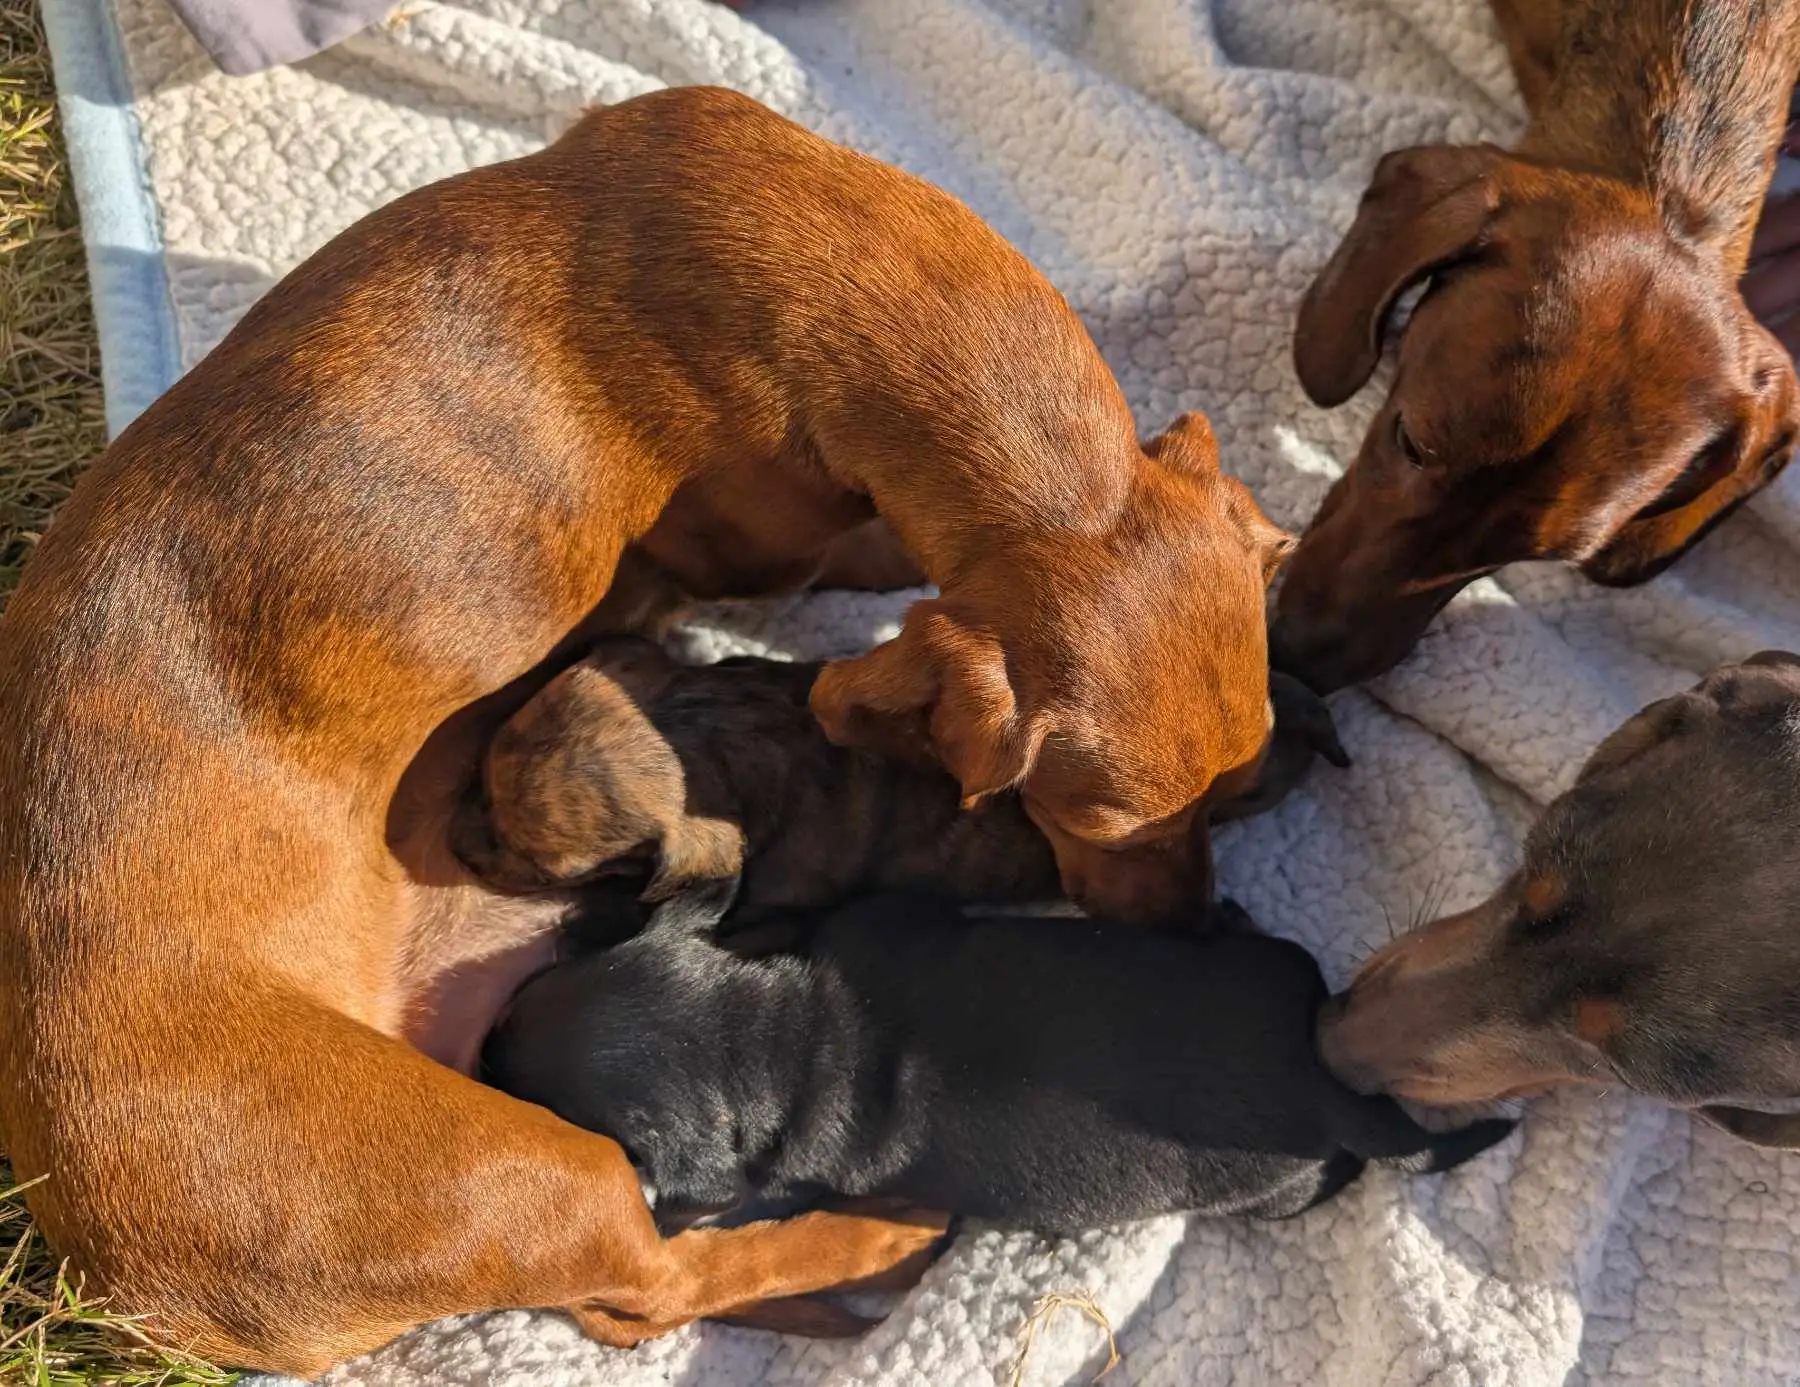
pixel 632 762
pixel 1046 1073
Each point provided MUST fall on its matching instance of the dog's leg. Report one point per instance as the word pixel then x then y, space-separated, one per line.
pixel 356 1189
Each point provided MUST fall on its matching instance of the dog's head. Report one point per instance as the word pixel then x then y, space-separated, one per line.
pixel 1118 679
pixel 580 781
pixel 1580 381
pixel 1651 938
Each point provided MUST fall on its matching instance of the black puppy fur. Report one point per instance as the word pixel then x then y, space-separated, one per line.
pixel 1047 1073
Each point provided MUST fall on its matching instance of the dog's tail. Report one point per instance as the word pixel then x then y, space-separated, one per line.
pixel 1391 1139
pixel 692 912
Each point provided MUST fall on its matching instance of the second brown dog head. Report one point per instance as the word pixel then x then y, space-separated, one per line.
pixel 1117 679
pixel 1580 381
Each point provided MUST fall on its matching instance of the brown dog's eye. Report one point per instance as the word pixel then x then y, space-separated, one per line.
pixel 1403 440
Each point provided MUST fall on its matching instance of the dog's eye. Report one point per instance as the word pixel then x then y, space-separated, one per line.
pixel 1414 455
pixel 1546 925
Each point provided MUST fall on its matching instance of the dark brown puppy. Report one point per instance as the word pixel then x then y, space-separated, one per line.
pixel 1650 939
pixel 1581 380
pixel 248 674
pixel 631 762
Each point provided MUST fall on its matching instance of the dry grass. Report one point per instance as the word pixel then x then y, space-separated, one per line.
pixel 51 422
pixel 1046 1309
pixel 52 1334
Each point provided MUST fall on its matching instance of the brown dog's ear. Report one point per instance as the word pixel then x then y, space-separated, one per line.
pixel 939 691
pixel 1780 1130
pixel 1275 545
pixel 1187 445
pixel 1424 209
pixel 1720 478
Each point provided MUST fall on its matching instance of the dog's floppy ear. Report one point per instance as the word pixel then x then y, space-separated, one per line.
pixel 1424 209
pixel 1781 1130
pixel 695 849
pixel 939 691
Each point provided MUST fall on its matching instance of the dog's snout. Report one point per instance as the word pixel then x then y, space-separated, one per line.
pixel 1338 1055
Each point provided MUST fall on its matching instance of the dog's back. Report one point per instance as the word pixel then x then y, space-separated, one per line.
pixel 1081 1076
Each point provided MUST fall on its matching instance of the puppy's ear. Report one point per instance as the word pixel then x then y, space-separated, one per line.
pixel 939 691
pixel 1425 209
pixel 695 850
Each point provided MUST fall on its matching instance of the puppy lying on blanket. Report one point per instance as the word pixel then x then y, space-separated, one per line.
pixel 1049 1073
pixel 632 761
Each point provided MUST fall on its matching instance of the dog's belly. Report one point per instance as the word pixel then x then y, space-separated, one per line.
pixel 766 529
pixel 471 951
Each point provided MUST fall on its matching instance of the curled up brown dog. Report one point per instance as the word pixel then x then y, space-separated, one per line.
pixel 248 674
pixel 1581 379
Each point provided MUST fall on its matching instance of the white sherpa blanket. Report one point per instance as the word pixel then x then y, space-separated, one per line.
pixel 1179 168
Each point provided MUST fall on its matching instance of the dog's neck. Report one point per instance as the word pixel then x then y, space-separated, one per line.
pixel 1083 483
pixel 1686 99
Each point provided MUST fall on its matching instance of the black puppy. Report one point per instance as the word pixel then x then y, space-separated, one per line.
pixel 1047 1073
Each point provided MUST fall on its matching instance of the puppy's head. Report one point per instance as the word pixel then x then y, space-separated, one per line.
pixel 632 1042
pixel 580 782
pixel 1651 938
pixel 1580 381
pixel 1118 680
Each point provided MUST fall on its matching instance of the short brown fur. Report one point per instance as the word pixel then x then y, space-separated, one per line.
pixel 630 762
pixel 249 672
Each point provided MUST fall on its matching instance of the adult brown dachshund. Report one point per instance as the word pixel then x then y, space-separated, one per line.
pixel 1581 379
pixel 250 669
pixel 1647 939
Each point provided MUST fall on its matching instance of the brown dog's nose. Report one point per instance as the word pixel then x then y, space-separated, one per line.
pixel 1308 651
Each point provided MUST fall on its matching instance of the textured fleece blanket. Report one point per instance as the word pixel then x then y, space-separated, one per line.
pixel 1179 168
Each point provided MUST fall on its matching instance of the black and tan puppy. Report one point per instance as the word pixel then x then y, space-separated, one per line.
pixel 631 762
pixel 1650 939
pixel 1046 1073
